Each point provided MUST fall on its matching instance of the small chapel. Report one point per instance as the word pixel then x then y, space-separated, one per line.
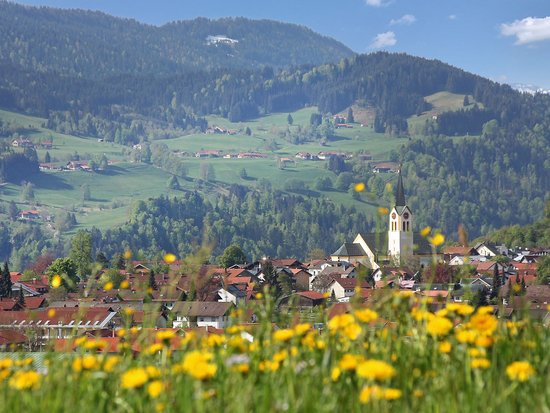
pixel 400 244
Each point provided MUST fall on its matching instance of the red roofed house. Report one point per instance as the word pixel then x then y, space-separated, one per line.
pixel 305 299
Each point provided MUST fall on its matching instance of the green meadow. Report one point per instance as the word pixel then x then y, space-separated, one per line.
pixel 113 191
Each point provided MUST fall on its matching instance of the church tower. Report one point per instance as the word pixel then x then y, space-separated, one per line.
pixel 400 232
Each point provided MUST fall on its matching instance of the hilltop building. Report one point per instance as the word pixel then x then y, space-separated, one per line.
pixel 400 244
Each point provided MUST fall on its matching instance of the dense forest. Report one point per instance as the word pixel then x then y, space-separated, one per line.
pixel 94 45
pixel 269 223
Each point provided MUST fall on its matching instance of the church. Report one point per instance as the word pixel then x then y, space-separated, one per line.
pixel 399 245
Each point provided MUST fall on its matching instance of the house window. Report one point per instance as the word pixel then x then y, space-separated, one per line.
pixel 201 319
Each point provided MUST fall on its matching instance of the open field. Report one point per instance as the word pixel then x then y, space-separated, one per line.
pixel 113 191
pixel 441 102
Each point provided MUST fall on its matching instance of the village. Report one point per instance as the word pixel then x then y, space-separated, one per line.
pixel 360 273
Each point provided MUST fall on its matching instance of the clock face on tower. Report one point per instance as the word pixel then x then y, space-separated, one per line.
pixel 393 215
pixel 406 215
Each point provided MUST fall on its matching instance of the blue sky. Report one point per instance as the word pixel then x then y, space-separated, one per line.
pixel 504 40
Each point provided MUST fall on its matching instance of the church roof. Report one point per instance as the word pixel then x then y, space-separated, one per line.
pixel 349 249
pixel 400 192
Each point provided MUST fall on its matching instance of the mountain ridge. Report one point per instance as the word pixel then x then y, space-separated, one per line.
pixel 94 44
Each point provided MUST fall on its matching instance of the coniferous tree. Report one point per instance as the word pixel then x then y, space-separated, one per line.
pixel 21 298
pixel 496 282
pixel 152 282
pixel 5 282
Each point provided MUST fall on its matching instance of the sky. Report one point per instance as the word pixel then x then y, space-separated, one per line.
pixel 504 40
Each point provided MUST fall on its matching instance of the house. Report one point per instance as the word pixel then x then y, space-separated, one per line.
pixel 10 338
pixel 22 143
pixel 59 323
pixel 303 279
pixel 232 294
pixel 450 252
pixel 46 144
pixel 78 166
pixel 304 299
pixel 29 215
pixel 342 289
pixel 384 167
pixel 201 314
pixel 490 250
pixel 208 154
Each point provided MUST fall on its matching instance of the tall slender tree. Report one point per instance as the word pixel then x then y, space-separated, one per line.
pixel 5 282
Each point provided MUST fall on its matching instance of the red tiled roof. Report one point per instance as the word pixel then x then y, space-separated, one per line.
pixel 8 337
pixel 8 305
pixel 312 295
pixel 32 303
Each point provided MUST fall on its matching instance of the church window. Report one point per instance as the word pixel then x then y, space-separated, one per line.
pixel 403 225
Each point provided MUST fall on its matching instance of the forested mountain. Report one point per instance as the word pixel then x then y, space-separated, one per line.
pixel 88 44
pixel 484 166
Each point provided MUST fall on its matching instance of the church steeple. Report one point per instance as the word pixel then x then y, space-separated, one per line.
pixel 400 192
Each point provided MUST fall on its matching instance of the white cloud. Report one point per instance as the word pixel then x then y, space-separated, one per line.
pixel 405 20
pixel 382 40
pixel 377 3
pixel 528 30
pixel 452 16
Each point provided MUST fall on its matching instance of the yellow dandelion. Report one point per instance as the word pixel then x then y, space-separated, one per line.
pixel 259 296
pixel 56 281
pixel 124 285
pixel 437 240
pixel 51 313
pixel 128 311
pixel 460 309
pixel 366 315
pixel 466 336
pixel 283 335
pixel 302 328
pixel 110 363
pixel 166 335
pixel 480 363
pixel 483 323
pixel 349 362
pixel 439 326
pixel 383 211
pixel 375 370
pixel 445 347
pixel 134 378
pixel 520 371
pixel 127 254
pixel 425 231
pixel 359 187
pixel 108 286
pixel 169 258
pixel 369 393
pixel 335 374
pixel 24 380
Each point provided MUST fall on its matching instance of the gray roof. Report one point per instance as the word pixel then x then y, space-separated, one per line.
pixel 349 249
pixel 201 308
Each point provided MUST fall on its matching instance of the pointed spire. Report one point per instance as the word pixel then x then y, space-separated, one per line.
pixel 400 192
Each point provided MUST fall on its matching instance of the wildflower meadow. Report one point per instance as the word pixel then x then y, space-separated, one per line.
pixel 457 359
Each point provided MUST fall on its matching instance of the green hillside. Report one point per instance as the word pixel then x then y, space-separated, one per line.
pixel 95 45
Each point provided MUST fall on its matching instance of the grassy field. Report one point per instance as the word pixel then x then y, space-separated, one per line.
pixel 114 190
pixel 459 359
pixel 441 102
